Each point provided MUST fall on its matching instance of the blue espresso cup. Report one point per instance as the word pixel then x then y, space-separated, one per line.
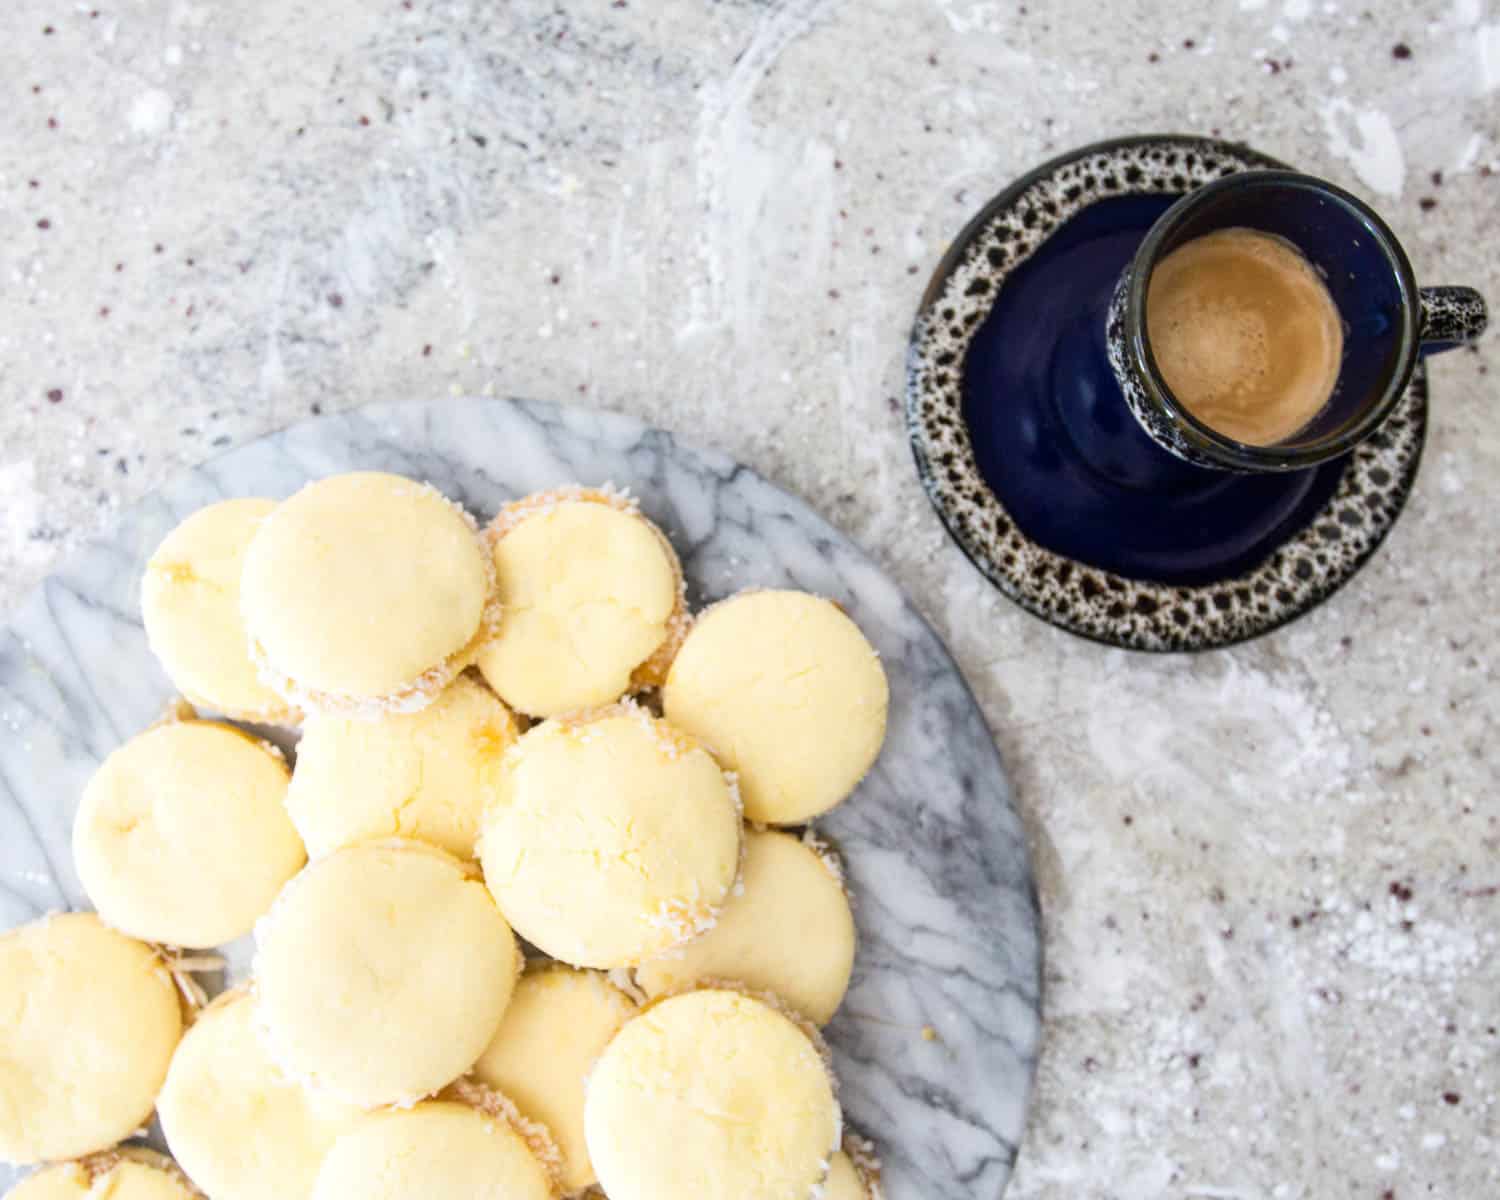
pixel 1389 322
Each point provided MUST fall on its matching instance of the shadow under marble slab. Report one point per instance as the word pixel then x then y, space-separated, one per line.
pixel 934 851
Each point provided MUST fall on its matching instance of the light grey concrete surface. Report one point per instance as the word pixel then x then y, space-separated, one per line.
pixel 1270 876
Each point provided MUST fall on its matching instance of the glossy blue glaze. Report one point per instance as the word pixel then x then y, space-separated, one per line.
pixel 1054 440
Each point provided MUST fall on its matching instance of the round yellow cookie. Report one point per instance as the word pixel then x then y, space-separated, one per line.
pixel 364 593
pixel 239 1128
pixel 789 693
pixel 382 973
pixel 182 836
pixel 611 839
pixel 190 602
pixel 788 931
pixel 88 1022
pixel 711 1095
pixel 593 600
pixel 558 1022
pixel 423 775
pixel 130 1173
pixel 440 1150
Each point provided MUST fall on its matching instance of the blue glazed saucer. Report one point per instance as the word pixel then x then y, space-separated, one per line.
pixel 1042 475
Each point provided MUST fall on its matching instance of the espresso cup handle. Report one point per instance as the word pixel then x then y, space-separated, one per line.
pixel 1451 317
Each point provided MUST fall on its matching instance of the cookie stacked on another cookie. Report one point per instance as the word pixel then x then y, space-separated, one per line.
pixel 516 728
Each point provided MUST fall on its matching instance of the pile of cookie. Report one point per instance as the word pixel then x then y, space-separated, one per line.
pixel 519 733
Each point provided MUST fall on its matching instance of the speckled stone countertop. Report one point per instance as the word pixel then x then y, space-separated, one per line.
pixel 1270 876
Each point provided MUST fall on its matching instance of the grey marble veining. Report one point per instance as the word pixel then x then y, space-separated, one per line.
pixel 935 854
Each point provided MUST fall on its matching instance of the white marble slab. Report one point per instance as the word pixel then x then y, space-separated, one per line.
pixel 935 853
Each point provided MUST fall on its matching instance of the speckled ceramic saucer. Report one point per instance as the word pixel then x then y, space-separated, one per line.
pixel 1046 481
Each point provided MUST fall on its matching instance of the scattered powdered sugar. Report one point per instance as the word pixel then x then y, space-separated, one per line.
pixel 1393 940
pixel 1277 735
pixel 150 113
pixel 21 511
pixel 1368 139
pixel 1488 50
pixel 1265 908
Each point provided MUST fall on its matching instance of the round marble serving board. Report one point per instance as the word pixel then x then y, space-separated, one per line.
pixel 935 853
